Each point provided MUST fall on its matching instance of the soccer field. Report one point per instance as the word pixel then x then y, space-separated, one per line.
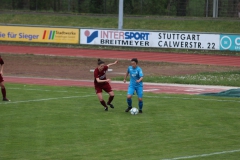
pixel 68 123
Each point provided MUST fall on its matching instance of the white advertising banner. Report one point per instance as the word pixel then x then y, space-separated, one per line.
pixel 115 38
pixel 150 39
pixel 187 41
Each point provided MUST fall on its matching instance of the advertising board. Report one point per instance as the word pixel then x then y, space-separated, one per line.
pixel 230 42
pixel 115 38
pixel 39 34
pixel 188 40
pixel 150 39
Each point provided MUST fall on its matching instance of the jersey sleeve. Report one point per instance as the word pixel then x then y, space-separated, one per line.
pixel 96 73
pixel 140 72
pixel 106 68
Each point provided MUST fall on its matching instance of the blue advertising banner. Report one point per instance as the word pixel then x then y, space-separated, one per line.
pixel 230 42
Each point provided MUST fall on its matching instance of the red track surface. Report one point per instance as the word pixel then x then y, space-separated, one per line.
pixel 146 56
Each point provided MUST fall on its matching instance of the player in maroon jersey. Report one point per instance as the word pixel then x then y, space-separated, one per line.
pixel 3 89
pixel 102 83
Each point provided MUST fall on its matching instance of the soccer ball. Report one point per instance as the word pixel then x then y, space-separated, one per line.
pixel 134 111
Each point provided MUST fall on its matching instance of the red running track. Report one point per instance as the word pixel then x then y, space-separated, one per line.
pixel 144 56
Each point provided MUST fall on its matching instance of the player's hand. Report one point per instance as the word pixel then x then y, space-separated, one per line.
pixel 124 80
pixel 115 62
pixel 108 80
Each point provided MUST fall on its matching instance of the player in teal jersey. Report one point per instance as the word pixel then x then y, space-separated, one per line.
pixel 136 84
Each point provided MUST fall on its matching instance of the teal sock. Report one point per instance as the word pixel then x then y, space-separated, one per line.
pixel 129 102
pixel 140 105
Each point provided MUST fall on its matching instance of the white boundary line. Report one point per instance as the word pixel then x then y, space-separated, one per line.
pixel 149 90
pixel 25 89
pixel 48 99
pixel 145 83
pixel 165 97
pixel 203 99
pixel 204 155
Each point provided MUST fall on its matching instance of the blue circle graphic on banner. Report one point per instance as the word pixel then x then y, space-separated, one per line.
pixel 226 42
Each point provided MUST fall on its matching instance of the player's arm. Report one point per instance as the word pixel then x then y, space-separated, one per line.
pixel 1 69
pixel 126 75
pixel 140 79
pixel 102 81
pixel 110 64
pixel 98 79
pixel 140 75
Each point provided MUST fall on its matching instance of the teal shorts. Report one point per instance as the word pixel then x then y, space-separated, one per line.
pixel 139 91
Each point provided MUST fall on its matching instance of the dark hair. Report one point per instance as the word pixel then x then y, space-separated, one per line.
pixel 135 60
pixel 100 61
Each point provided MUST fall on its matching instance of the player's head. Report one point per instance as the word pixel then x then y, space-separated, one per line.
pixel 100 64
pixel 134 62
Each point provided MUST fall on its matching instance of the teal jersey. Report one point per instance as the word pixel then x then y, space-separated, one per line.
pixel 135 74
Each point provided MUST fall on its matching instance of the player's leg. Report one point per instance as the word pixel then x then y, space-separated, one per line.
pixel 100 98
pixel 110 99
pixel 3 89
pixel 107 88
pixel 129 98
pixel 139 91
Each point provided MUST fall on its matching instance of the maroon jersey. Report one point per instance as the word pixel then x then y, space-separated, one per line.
pixel 101 75
pixel 1 63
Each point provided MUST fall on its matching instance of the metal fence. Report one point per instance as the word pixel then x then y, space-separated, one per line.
pixel 192 8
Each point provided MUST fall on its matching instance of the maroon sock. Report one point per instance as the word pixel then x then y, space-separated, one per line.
pixel 110 99
pixel 103 103
pixel 4 92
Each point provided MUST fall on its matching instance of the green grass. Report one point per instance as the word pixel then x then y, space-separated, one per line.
pixel 44 122
pixel 137 23
pixel 231 78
